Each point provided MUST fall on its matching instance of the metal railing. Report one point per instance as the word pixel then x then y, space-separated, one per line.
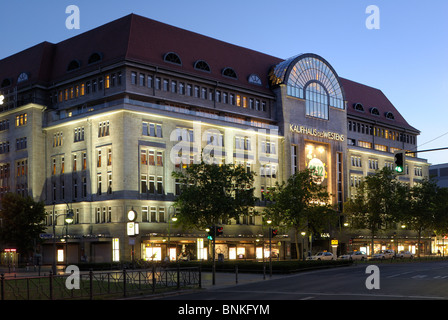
pixel 111 284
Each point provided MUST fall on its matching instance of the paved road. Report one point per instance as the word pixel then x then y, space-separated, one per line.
pixel 397 281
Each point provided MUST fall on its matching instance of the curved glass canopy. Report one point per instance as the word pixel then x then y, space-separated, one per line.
pixel 299 72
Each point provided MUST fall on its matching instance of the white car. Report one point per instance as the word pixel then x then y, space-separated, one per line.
pixel 354 255
pixel 384 254
pixel 405 254
pixel 322 256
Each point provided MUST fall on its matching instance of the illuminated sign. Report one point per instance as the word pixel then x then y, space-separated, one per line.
pixel 318 167
pixel 316 133
pixel 316 160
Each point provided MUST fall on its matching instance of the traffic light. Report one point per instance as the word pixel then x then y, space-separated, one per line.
pixel 211 233
pixel 274 232
pixel 214 231
pixel 399 161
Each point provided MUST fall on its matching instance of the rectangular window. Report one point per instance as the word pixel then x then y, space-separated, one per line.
pixel 98 158
pixel 151 184
pixel 109 183
pixel 145 214
pixel 133 77
pixel 153 214
pixel 103 129
pixel 161 214
pixel 143 184
pixel 115 249
pixel 152 129
pixel 99 184
pixel 159 185
pixel 21 143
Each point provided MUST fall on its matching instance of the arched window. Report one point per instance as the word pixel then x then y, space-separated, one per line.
pixel 358 107
pixel 172 58
pixel 73 65
pixel 202 65
pixel 298 71
pixel 254 79
pixel 316 101
pixel 95 57
pixel 229 72
pixel 390 116
pixel 374 111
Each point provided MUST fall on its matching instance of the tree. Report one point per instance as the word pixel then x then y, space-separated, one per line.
pixel 300 204
pixel 420 214
pixel 441 212
pixel 378 202
pixel 22 222
pixel 211 193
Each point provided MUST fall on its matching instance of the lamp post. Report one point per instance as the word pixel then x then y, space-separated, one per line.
pixel 269 221
pixel 68 219
pixel 171 217
pixel 303 233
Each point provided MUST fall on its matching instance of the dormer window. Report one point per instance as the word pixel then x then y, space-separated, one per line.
pixel 73 65
pixel 95 57
pixel 22 77
pixel 202 65
pixel 229 72
pixel 374 111
pixel 6 83
pixel 390 116
pixel 254 79
pixel 358 107
pixel 172 58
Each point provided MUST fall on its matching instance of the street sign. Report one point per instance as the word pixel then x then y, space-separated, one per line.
pixel 45 236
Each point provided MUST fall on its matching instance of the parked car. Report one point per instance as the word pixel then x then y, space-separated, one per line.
pixel 322 256
pixel 405 254
pixel 384 254
pixel 354 255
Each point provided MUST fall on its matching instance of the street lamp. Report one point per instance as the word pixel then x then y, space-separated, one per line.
pixel 68 219
pixel 269 221
pixel 171 217
pixel 303 233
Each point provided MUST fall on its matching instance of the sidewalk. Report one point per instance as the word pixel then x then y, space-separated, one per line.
pixel 226 279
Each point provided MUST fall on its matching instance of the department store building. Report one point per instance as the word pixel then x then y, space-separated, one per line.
pixel 97 123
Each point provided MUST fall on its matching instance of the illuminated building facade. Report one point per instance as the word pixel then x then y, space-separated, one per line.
pixel 97 126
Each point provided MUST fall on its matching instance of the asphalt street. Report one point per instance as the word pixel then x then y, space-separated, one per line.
pixel 390 281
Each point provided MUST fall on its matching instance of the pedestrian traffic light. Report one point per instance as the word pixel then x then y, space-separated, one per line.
pixel 274 232
pixel 211 233
pixel 399 161
pixel 219 231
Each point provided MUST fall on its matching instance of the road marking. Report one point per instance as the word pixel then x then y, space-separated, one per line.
pixel 338 294
pixel 307 298
pixel 399 274
pixel 419 276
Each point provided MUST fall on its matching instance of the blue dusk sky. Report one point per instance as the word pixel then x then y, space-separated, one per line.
pixel 406 58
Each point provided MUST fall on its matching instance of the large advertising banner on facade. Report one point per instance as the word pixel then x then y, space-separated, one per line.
pixel 317 159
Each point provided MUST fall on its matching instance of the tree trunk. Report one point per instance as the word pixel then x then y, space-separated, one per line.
pixel 296 235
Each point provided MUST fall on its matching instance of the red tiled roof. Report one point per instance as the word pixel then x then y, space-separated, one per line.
pixel 139 39
pixel 151 40
pixel 369 98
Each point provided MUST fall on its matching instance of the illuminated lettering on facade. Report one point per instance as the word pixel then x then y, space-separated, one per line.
pixel 316 133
